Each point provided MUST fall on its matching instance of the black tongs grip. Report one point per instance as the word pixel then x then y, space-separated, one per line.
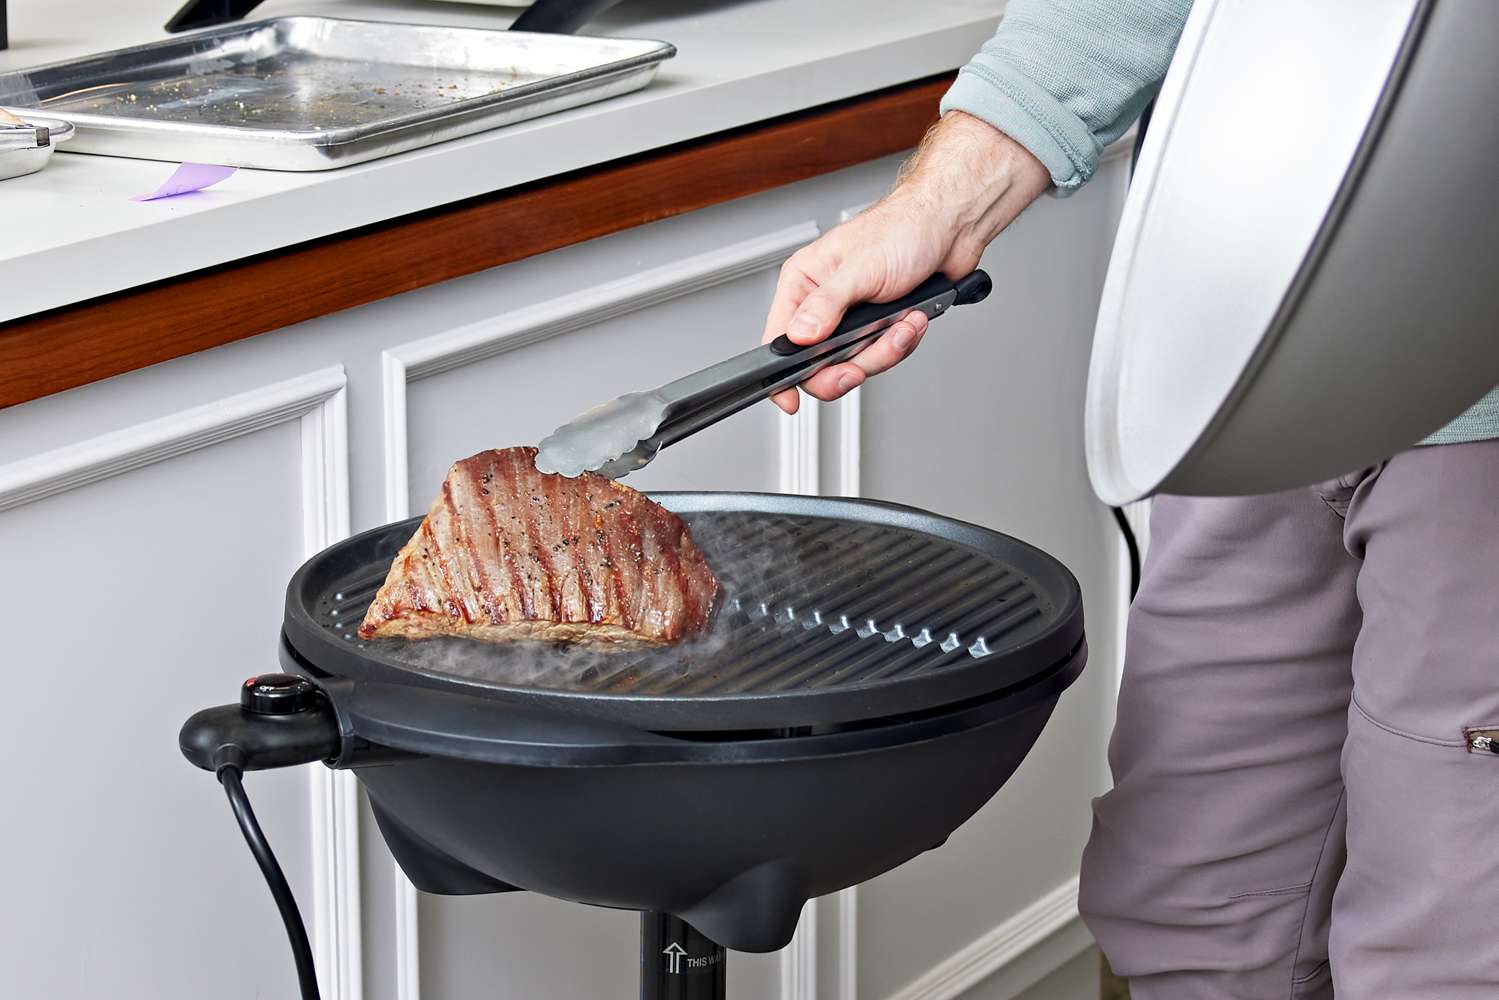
pixel 706 397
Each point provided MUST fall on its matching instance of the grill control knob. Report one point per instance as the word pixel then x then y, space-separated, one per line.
pixel 278 694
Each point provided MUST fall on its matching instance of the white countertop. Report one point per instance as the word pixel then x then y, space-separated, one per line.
pixel 71 232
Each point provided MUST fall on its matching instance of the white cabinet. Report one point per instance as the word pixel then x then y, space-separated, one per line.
pixel 148 525
pixel 135 580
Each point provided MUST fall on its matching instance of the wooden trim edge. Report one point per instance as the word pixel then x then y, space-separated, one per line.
pixel 63 348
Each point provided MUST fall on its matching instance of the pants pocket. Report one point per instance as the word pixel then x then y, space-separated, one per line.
pixel 1338 493
pixel 1420 815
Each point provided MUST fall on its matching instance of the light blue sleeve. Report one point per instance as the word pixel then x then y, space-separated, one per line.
pixel 1064 78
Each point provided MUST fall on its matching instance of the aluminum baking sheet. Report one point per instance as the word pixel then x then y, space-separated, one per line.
pixel 311 93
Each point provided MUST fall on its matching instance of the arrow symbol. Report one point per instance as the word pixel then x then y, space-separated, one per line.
pixel 674 953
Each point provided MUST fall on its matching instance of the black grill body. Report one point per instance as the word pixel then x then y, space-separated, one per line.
pixel 874 675
pixel 734 847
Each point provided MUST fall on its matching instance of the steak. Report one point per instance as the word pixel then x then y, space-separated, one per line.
pixel 508 552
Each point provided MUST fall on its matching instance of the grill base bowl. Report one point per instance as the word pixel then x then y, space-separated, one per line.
pixel 735 849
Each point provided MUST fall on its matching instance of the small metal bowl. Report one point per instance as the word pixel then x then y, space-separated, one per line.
pixel 24 151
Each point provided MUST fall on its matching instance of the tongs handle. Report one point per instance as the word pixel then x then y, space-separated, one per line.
pixel 706 397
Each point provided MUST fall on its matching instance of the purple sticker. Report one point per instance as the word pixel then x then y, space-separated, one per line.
pixel 186 179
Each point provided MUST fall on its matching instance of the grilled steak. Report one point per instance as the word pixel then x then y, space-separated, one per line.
pixel 507 552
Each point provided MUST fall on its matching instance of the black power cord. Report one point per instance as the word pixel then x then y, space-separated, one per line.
pixel 1132 545
pixel 229 777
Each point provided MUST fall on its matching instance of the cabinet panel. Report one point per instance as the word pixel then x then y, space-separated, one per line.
pixel 520 946
pixel 134 601
pixel 534 946
pixel 518 397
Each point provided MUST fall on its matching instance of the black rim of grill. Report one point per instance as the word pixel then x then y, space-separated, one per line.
pixel 834 611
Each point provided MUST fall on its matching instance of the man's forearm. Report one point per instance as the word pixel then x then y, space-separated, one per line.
pixel 1066 78
pixel 973 177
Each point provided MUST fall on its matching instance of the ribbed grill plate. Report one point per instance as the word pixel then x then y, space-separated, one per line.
pixel 823 602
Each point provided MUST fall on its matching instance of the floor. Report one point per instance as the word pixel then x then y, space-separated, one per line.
pixel 1077 980
pixel 1084 978
pixel 1111 987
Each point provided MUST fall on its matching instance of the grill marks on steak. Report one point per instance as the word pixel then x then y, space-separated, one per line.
pixel 508 552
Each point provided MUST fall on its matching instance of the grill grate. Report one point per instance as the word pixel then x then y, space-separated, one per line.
pixel 843 604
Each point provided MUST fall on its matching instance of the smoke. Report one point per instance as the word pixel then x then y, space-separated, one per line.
pixel 558 666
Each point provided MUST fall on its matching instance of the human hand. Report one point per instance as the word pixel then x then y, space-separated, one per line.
pixel 966 183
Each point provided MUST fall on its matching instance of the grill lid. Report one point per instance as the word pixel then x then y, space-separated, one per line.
pixel 833 611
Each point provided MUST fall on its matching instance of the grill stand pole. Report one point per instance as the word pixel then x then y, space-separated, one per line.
pixel 677 962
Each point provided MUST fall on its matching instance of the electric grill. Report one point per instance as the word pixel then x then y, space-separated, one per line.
pixel 873 675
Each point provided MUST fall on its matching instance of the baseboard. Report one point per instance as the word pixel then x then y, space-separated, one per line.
pixel 1013 956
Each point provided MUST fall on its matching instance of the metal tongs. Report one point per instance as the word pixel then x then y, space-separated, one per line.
pixel 622 436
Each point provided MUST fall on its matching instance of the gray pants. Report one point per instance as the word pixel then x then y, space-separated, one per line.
pixel 1296 808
